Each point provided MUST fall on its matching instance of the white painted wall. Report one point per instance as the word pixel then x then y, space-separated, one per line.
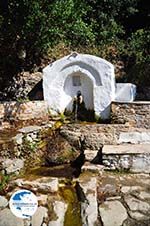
pixel 125 92
pixel 97 78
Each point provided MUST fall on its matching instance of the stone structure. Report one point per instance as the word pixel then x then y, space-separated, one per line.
pixel 136 114
pixel 13 110
pixel 93 76
pixel 105 134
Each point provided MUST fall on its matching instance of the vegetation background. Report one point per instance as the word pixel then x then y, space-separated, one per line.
pixel 36 32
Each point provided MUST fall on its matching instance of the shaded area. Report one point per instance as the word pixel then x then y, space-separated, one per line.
pixel 37 92
pixel 62 171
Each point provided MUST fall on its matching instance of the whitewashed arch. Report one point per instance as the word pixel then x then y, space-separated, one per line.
pixel 96 74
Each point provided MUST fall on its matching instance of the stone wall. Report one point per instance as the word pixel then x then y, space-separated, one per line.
pixel 14 110
pixel 136 114
pixel 98 134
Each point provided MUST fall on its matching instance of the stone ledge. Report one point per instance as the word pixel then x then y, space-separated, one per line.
pixel 131 158
pixel 127 149
pixel 133 102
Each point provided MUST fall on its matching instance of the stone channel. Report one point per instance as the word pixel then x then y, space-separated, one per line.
pixel 95 198
pixel 111 189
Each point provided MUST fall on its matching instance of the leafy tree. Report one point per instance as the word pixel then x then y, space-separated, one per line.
pixel 28 28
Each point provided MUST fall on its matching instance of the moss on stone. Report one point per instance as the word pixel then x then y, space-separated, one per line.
pixel 72 215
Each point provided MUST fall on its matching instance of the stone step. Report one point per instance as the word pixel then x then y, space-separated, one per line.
pixel 124 149
pixel 130 157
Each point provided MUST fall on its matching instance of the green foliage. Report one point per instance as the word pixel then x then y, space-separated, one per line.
pixel 107 28
pixel 139 44
pixel 62 117
pixel 4 179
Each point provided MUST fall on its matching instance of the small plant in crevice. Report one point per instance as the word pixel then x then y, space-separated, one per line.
pixel 4 179
pixel 62 117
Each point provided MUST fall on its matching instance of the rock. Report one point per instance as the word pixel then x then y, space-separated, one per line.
pixel 125 189
pixel 134 158
pixel 109 189
pixel 90 154
pixel 18 138
pixel 29 129
pixel 134 137
pixel 124 149
pixel 60 210
pixel 137 216
pixel 42 199
pixel 3 202
pixel 8 219
pixel 113 198
pixel 27 222
pixel 45 184
pixel 135 204
pixel 29 138
pixel 60 151
pixel 12 165
pixel 112 213
pixel 40 214
pixel 130 189
pixel 144 195
pixel 125 162
pixel 140 164
pixel 92 167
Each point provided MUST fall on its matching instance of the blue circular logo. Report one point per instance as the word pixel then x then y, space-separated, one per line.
pixel 23 203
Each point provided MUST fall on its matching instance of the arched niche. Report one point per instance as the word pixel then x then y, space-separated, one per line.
pixel 78 81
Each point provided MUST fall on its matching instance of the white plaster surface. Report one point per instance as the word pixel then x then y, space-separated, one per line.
pixel 125 92
pixel 97 83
